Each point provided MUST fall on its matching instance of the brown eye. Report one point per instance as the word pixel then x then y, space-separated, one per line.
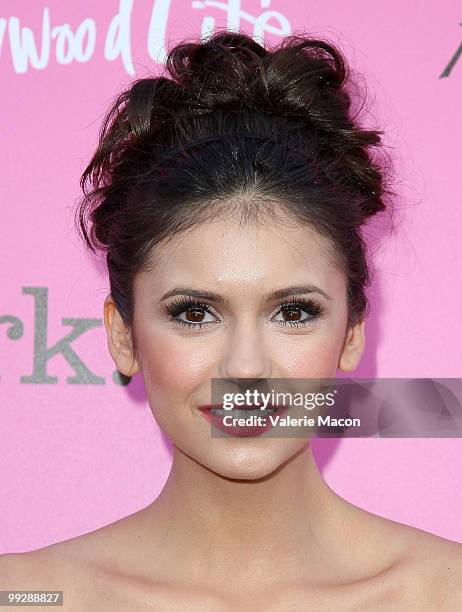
pixel 194 315
pixel 293 314
pixel 299 312
pixel 188 313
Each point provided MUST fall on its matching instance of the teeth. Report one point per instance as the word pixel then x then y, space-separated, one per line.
pixel 243 414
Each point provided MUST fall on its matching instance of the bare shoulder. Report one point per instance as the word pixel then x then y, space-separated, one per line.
pixel 27 570
pixel 417 570
pixel 47 570
pixel 434 566
pixel 79 566
pixel 433 550
pixel 82 551
pixel 443 556
pixel 71 566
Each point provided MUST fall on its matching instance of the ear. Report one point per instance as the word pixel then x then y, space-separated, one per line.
pixel 353 347
pixel 119 340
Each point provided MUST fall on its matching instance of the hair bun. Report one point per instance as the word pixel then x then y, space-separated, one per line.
pixel 302 81
pixel 232 71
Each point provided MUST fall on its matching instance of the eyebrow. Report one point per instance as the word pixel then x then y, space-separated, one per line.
pixel 218 299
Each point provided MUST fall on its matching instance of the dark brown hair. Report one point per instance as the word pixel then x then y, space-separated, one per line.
pixel 233 127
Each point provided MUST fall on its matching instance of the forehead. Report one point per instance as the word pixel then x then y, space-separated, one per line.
pixel 233 256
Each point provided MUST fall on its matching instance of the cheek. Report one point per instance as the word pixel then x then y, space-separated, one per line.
pixel 172 367
pixel 313 356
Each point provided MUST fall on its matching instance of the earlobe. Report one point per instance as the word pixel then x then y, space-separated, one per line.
pixel 119 341
pixel 353 348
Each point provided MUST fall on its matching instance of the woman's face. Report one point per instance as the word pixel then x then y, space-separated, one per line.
pixel 243 334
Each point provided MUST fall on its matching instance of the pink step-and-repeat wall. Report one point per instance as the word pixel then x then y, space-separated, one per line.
pixel 78 450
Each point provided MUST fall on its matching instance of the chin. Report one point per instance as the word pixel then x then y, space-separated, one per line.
pixel 246 459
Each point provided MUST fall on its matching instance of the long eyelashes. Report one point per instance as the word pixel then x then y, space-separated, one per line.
pixel 313 309
pixel 182 304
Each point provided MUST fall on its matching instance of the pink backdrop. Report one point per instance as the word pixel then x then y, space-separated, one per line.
pixel 78 450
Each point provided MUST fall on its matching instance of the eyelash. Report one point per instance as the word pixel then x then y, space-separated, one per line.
pixel 178 306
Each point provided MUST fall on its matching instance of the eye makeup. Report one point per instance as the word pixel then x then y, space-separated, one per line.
pixel 313 309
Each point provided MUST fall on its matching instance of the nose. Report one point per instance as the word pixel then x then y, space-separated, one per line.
pixel 245 356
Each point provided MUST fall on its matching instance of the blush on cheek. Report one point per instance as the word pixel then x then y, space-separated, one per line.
pixel 170 365
pixel 318 360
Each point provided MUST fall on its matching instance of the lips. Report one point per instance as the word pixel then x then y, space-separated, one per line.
pixel 215 414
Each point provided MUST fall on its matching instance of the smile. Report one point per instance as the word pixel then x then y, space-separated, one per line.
pixel 241 422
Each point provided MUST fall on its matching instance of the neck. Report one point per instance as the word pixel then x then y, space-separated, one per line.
pixel 289 523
